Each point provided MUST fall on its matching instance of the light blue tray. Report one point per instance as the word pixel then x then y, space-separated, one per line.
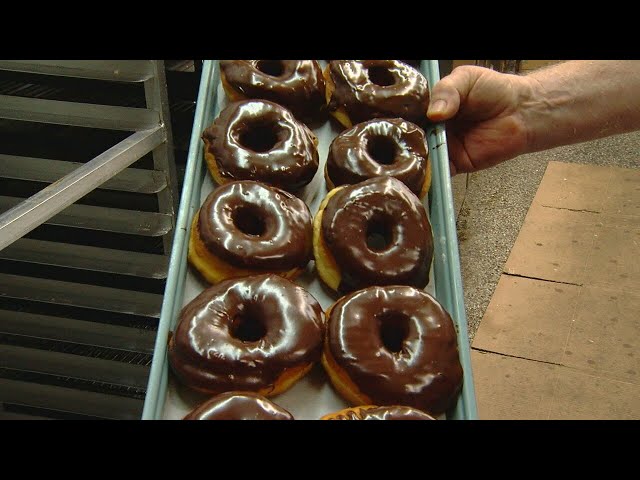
pixel 448 282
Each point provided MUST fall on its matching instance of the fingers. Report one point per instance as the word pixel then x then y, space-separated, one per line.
pixel 448 93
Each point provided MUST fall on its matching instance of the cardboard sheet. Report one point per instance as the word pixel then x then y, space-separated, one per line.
pixel 560 336
pixel 528 318
pixel 509 388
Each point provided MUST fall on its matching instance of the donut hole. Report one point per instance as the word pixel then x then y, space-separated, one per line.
pixel 247 325
pixel 275 68
pixel 379 234
pixel 382 149
pixel 249 221
pixel 259 137
pixel 381 76
pixel 393 328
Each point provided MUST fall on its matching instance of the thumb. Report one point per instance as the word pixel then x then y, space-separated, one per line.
pixel 447 93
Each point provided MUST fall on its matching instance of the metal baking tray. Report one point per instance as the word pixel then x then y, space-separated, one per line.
pixel 313 395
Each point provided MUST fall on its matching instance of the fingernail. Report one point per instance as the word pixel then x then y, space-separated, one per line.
pixel 437 108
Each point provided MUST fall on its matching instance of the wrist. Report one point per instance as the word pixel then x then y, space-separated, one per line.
pixel 533 111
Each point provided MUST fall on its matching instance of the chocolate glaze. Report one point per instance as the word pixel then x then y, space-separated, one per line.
pixel 239 406
pixel 204 353
pixel 290 163
pixel 425 373
pixel 392 412
pixel 282 220
pixel 297 85
pixel 385 201
pixel 407 97
pixel 354 155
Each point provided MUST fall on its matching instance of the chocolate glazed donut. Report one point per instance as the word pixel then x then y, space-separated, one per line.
pixel 252 225
pixel 391 146
pixel 368 89
pixel 239 406
pixel 379 234
pixel 373 412
pixel 260 140
pixel 396 345
pixel 297 85
pixel 259 333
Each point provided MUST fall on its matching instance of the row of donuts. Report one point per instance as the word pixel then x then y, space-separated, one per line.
pixel 379 346
pixel 352 91
pixel 375 232
pixel 251 406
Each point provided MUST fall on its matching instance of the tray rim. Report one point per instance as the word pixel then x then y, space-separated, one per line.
pixel 447 272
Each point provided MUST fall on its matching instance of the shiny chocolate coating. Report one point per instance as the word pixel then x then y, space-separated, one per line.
pixel 422 370
pixel 277 226
pixel 260 140
pixel 390 146
pixel 391 412
pixel 369 89
pixel 297 85
pixel 244 333
pixel 239 406
pixel 381 204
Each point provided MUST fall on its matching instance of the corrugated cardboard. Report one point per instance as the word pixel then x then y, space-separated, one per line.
pixel 573 186
pixel 565 317
pixel 553 244
pixel 605 334
pixel 528 318
pixel 509 388
pixel 581 396
pixel 623 196
pixel 614 260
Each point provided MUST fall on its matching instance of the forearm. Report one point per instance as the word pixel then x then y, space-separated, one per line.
pixel 578 101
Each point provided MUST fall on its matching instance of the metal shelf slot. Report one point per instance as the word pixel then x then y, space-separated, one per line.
pixel 77 114
pixel 83 257
pixel 105 219
pixel 49 171
pixel 119 71
pixel 80 295
pixel 73 366
pixel 69 400
pixel 76 331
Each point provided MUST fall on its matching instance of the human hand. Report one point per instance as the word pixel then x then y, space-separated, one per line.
pixel 483 113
